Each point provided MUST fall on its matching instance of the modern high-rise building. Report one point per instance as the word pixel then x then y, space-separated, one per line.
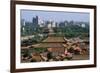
pixel 35 21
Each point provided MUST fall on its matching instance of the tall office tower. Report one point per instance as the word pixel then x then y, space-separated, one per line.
pixel 35 21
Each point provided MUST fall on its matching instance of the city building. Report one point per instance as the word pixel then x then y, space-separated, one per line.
pixel 22 22
pixel 53 24
pixel 61 24
pixel 35 21
pixel 83 25
pixel 41 23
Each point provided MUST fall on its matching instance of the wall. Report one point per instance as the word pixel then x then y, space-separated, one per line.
pixel 5 36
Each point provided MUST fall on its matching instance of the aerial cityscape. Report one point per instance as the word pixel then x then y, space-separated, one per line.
pixel 54 36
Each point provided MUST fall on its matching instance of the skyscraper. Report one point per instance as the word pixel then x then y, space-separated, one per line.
pixel 35 21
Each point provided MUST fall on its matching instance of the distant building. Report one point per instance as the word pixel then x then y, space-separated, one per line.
pixel 57 25
pixel 66 23
pixel 83 25
pixel 28 23
pixel 61 24
pixel 41 22
pixel 35 21
pixel 23 22
pixel 49 25
pixel 71 22
pixel 23 29
pixel 53 24
pixel 41 25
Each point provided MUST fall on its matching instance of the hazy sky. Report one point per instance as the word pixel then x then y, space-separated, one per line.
pixel 55 16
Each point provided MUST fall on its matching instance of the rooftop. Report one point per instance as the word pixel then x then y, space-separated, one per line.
pixel 54 39
pixel 48 45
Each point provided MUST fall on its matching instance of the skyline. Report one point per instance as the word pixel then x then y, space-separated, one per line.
pixel 57 16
